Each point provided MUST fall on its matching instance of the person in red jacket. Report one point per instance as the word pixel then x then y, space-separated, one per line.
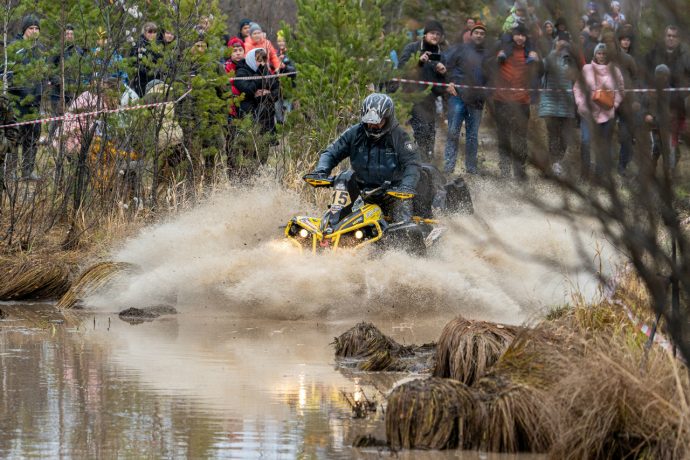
pixel 511 107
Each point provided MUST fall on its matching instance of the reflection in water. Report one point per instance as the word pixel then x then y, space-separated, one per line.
pixel 180 387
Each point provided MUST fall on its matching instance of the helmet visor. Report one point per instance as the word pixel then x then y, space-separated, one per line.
pixel 372 116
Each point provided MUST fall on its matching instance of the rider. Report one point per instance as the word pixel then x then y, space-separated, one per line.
pixel 379 151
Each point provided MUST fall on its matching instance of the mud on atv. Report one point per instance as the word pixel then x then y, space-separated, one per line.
pixel 353 222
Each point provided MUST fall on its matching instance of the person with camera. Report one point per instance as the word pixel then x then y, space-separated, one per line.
pixel 430 67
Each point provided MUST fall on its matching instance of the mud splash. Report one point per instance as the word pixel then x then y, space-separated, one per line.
pixel 229 254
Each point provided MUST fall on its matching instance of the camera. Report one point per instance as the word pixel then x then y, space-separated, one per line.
pixel 434 56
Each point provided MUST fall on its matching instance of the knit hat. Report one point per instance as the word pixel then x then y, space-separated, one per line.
pixel 244 22
pixel 594 23
pixel 478 25
pixel 520 5
pixel 254 27
pixel 235 42
pixel 433 26
pixel 600 47
pixel 69 27
pixel 30 20
pixel 280 35
pixel 561 22
pixel 519 29
pixel 592 6
pixel 625 32
pixel 662 69
pixel 615 4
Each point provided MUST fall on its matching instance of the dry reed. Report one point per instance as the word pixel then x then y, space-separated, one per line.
pixel 33 278
pixel 466 349
pixel 432 414
pixel 364 340
pixel 91 280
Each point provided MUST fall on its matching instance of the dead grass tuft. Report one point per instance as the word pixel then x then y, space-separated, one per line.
pixel 466 349
pixel 432 414
pixel 91 280
pixel 34 277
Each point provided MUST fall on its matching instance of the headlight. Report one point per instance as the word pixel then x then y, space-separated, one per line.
pixel 359 234
pixel 304 233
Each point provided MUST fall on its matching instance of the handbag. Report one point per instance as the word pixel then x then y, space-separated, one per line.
pixel 604 97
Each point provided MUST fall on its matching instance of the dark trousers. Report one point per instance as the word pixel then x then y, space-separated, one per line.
pixel 512 122
pixel 560 132
pixel 424 131
pixel 28 138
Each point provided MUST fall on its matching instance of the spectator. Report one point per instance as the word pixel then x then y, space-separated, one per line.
pixel 259 94
pixel 466 63
pixel 243 33
pixel 592 38
pixel 283 106
pixel 517 16
pixel 592 14
pixel 557 105
pixel 598 116
pixel 512 108
pixel 27 87
pixel 167 37
pixel 656 111
pixel 629 107
pixel 9 136
pixel 103 65
pixel 467 32
pixel 546 40
pixel 430 67
pixel 615 19
pixel 233 147
pixel 72 69
pixel 677 58
pixel 257 39
pixel 146 58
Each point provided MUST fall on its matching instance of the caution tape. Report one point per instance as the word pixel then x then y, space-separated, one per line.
pixel 538 90
pixel 76 116
pixel 263 77
pixel 640 325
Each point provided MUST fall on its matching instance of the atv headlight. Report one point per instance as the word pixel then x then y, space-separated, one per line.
pixel 359 234
pixel 304 233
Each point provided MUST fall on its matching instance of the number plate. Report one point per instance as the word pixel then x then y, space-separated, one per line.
pixel 340 199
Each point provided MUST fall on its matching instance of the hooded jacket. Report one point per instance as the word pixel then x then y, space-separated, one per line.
pixel 560 68
pixel 270 50
pixel 262 108
pixel 392 158
pixel 598 76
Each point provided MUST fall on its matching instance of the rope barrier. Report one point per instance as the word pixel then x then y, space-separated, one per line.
pixel 76 116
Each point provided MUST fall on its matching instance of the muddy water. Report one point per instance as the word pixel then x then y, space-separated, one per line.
pixel 184 386
pixel 245 369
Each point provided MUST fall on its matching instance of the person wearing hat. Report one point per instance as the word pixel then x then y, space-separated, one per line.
pixel 675 55
pixel 430 67
pixel 517 69
pixel 465 62
pixel 598 114
pixel 27 88
pixel 257 39
pixel 556 104
pixel 615 19
pixel 243 31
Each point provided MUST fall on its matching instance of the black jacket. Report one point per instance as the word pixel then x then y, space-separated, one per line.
pixel 466 64
pixel 424 72
pixel 27 88
pixel 251 103
pixel 678 63
pixel 146 63
pixel 392 158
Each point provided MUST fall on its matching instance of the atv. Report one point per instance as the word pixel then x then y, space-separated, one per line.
pixel 352 221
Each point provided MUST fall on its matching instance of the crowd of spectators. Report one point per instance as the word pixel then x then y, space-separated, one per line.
pixel 68 79
pixel 572 72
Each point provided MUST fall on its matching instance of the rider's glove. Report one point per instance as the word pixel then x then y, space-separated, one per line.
pixel 403 192
pixel 317 175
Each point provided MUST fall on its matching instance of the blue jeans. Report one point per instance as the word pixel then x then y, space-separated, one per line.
pixel 457 113
pixel 601 134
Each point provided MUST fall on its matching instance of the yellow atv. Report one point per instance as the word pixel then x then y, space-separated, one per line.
pixel 353 222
